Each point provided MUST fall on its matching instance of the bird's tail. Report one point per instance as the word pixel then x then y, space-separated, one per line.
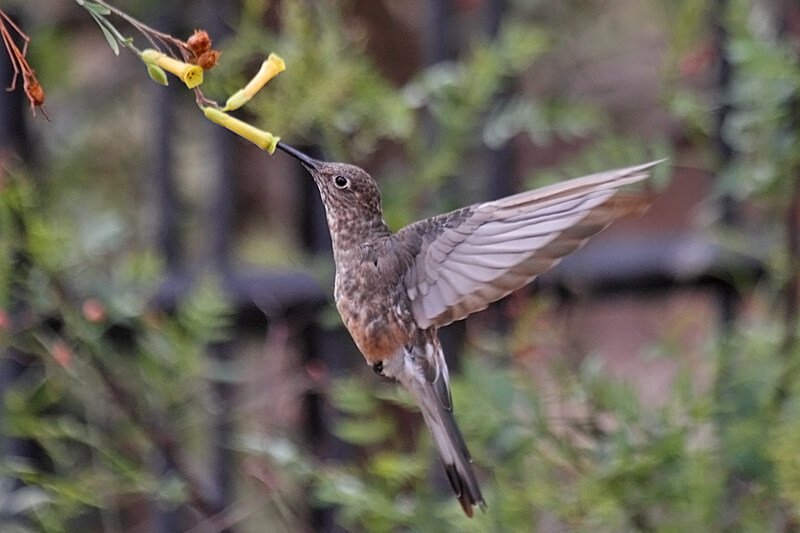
pixel 452 449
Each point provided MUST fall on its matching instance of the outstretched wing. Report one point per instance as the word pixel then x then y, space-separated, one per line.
pixel 474 256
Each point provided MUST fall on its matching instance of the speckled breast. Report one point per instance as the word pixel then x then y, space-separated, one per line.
pixel 376 313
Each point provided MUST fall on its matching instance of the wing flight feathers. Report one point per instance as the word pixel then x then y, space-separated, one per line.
pixel 474 256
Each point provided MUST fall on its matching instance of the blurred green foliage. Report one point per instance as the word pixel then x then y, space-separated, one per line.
pixel 724 458
pixel 330 94
pixel 72 345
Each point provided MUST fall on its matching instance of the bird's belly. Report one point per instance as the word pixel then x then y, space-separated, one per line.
pixel 374 321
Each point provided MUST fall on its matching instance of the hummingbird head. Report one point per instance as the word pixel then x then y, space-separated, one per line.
pixel 348 192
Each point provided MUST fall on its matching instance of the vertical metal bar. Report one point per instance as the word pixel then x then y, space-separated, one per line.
pixel 167 233
pixel 724 153
pixel 13 133
pixel 14 143
pixel 786 11
pixel 728 296
pixel 221 211
pixel 329 351
pixel 440 43
pixel 724 72
pixel 320 348
pixel 223 460
pixel 163 178
pixel 722 148
pixel 500 161
pixel 222 236
pixel 315 234
pixel 222 147
pixel 440 36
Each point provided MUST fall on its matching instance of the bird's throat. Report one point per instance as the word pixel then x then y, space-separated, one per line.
pixel 351 233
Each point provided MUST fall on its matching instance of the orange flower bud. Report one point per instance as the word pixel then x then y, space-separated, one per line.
pixel 207 60
pixel 199 43
pixel 35 93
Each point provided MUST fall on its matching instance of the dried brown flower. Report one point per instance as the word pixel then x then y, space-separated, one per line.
pixel 34 91
pixel 207 60
pixel 199 42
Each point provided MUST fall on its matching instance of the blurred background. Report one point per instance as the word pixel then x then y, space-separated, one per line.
pixel 172 361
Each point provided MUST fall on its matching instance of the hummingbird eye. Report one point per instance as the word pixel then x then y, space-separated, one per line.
pixel 341 182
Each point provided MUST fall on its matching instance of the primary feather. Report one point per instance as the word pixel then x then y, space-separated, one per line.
pixel 476 255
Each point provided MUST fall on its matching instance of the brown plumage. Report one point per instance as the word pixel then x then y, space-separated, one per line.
pixel 394 290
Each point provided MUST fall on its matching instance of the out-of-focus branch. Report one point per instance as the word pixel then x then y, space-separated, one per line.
pixel 151 34
pixel 157 433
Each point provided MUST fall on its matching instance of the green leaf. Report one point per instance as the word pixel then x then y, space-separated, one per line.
pixel 364 431
pixel 112 41
pixel 350 396
pixel 94 7
pixel 398 468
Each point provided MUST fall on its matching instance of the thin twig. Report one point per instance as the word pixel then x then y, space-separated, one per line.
pixel 229 517
pixel 167 41
pixel 160 437
pixel 149 32
pixel 19 31
pixel 9 44
pixel 153 428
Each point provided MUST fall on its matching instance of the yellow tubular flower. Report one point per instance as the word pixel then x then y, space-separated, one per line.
pixel 270 68
pixel 191 75
pixel 263 139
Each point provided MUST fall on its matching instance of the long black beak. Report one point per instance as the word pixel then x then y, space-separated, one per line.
pixel 309 163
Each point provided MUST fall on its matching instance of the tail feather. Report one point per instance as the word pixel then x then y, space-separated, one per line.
pixel 422 371
pixel 451 446
pixel 458 486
